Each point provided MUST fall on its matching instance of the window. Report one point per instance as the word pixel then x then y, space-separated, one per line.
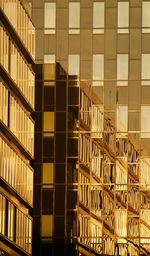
pixel 23 231
pixel 15 224
pixel 74 64
pixel 48 175
pixel 85 107
pixel 49 58
pixel 96 122
pixel 84 149
pixel 11 227
pixel 146 17
pixel 21 179
pixel 122 118
pixel 122 69
pixel 98 69
pixel 83 189
pixel 13 61
pixel 145 122
pixel 49 73
pixel 21 125
pixel 121 222
pixel 2 214
pixel 74 18
pixel 48 125
pixel 47 226
pixel 16 14
pixel 121 177
pixel 144 173
pixel 4 49
pixel 123 17
pixel 145 69
pixel 50 18
pixel 96 160
pixel 98 17
pixel 3 104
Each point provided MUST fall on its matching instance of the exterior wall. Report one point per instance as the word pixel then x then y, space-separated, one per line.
pixel 16 128
pixel 106 112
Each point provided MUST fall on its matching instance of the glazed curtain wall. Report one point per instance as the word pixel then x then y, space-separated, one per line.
pixel 21 22
pixel 16 172
pixel 15 225
pixel 17 119
pixel 15 64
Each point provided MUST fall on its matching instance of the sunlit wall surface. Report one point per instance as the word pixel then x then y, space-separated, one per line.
pixel 95 128
pixel 17 88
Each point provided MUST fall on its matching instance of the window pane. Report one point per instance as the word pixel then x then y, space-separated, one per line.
pixel 121 222
pixel 50 18
pixel 74 18
pixel 98 69
pixel 123 17
pixel 146 69
pixel 122 69
pixel 145 122
pixel 146 17
pixel 48 173
pixel 49 58
pixel 74 64
pixel 98 17
pixel 47 225
pixel 48 121
pixel 49 74
pixel 122 118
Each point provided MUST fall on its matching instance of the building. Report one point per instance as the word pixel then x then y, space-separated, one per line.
pixel 17 87
pixel 92 165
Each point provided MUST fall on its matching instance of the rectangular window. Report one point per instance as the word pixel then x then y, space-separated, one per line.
pixel 146 17
pixel 49 58
pixel 144 173
pixel 145 69
pixel 48 175
pixel 50 18
pixel 123 17
pixel 21 181
pixel 16 14
pixel 2 215
pixel 49 73
pixel 98 17
pixel 96 121
pixel 98 69
pixel 74 18
pixel 84 149
pixel 47 226
pixel 121 177
pixel 49 123
pixel 121 222
pixel 122 69
pixel 3 104
pixel 145 122
pixel 122 118
pixel 74 63
pixel 21 125
pixel 11 227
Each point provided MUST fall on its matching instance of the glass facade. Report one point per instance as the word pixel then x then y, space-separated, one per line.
pixel 17 67
pixel 16 172
pixel 97 194
pixel 14 224
pixel 17 119
pixel 20 20
pixel 17 89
